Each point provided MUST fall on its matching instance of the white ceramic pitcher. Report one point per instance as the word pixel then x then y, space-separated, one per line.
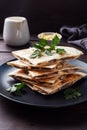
pixel 16 31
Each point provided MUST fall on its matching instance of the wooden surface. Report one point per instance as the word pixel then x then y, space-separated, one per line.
pixel 15 116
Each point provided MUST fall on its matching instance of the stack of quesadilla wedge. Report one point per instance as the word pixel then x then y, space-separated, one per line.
pixel 46 74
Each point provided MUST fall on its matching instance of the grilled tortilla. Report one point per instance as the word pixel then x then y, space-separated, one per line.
pixel 23 65
pixel 20 74
pixel 61 65
pixel 61 84
pixel 46 74
pixel 33 74
pixel 42 75
pixel 47 88
pixel 24 55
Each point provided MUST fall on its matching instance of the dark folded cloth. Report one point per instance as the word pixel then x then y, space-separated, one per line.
pixel 75 35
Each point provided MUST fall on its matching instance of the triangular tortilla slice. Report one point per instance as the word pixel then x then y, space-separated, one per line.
pixel 19 74
pixel 46 89
pixel 43 76
pixel 61 85
pixel 18 64
pixel 23 65
pixel 50 87
pixel 23 75
pixel 39 74
pixel 25 54
pixel 55 82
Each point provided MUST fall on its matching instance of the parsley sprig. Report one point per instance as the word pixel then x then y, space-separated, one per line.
pixel 36 53
pixel 72 93
pixel 41 47
pixel 55 41
pixel 41 44
pixel 16 88
pixel 60 51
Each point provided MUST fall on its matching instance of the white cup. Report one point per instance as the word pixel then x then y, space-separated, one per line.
pixel 16 31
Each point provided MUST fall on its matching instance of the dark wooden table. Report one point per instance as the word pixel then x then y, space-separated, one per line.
pixel 15 116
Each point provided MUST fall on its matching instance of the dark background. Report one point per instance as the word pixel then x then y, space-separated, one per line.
pixel 45 15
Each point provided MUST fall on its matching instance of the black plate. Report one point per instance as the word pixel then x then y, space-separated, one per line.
pixel 35 99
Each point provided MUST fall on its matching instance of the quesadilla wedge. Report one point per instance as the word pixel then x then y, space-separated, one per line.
pixel 61 66
pixel 60 86
pixel 23 65
pixel 46 70
pixel 39 74
pixel 25 56
pixel 50 88
pixel 22 75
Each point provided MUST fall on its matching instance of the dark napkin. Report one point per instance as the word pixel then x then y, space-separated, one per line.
pixel 75 35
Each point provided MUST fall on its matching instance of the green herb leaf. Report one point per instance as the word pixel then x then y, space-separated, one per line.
pixel 35 54
pixel 72 93
pixel 38 46
pixel 41 47
pixel 41 44
pixel 60 51
pixel 55 41
pixel 16 88
pixel 52 47
pixel 48 52
pixel 12 89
